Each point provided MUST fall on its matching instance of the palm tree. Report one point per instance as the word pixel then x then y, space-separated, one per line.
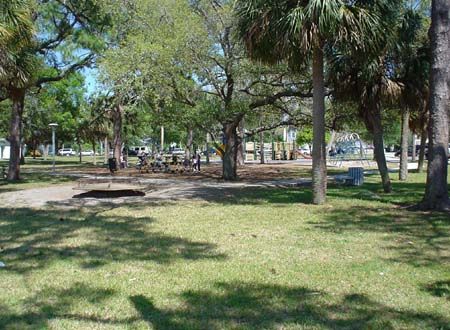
pixel 411 71
pixel 369 80
pixel 436 193
pixel 293 31
pixel 16 31
pixel 16 68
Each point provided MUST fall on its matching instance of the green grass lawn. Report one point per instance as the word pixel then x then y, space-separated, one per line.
pixel 257 259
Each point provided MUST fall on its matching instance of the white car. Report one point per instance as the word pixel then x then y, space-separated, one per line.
pixel 178 151
pixel 66 152
pixel 87 153
pixel 304 150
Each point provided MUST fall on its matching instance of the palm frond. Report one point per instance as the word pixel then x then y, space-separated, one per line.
pixel 274 31
pixel 17 63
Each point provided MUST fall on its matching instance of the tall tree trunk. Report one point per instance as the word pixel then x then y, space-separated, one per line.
pixel 161 145
pixel 229 159
pixel 117 133
pixel 319 177
pixel 189 140
pixel 332 139
pixel 423 142
pixel 106 149
pixel 80 149
pixel 95 154
pixel 403 172
pixel 208 146
pixel 261 147
pixel 436 192
pixel 45 151
pixel 374 125
pixel 22 154
pixel 241 148
pixel 414 154
pixel 15 128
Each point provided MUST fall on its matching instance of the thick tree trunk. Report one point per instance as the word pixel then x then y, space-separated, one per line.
pixel 436 193
pixel 229 159
pixel 374 125
pixel 423 142
pixel 117 133
pixel 319 177
pixel 15 128
pixel 403 172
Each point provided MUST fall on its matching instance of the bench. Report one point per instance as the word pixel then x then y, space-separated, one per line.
pixel 354 177
pixel 344 178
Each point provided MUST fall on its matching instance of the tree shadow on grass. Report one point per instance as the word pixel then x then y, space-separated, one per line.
pixel 52 304
pixel 239 306
pixel 403 193
pixel 439 289
pixel 259 195
pixel 233 305
pixel 260 306
pixel 417 238
pixel 33 239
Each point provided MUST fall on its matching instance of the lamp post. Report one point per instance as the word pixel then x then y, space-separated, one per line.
pixel 53 126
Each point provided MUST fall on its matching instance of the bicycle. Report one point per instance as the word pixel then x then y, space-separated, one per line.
pixel 143 164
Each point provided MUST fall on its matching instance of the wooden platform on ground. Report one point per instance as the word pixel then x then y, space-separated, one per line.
pixel 108 184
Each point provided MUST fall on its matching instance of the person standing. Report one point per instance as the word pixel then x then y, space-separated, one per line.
pixel 198 160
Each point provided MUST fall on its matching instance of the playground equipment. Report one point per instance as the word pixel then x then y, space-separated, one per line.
pixel 170 163
pixel 348 147
pixel 272 150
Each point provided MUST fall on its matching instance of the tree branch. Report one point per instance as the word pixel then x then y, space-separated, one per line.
pixel 65 73
pixel 271 99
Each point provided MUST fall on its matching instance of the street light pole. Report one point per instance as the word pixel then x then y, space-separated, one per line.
pixel 53 126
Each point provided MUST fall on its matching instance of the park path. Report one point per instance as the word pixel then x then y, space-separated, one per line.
pixel 156 190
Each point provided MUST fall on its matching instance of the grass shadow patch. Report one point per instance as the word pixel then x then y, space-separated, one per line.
pixel 439 289
pixel 254 306
pixel 33 239
pixel 417 238
pixel 55 303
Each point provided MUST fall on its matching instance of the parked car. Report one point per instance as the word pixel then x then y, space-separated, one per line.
pixel 398 152
pixel 178 151
pixel 66 152
pixel 137 151
pixel 87 153
pixel 304 150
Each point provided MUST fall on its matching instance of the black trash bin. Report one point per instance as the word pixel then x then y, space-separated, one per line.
pixel 112 164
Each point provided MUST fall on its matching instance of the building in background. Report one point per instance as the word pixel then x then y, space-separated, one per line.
pixel 5 148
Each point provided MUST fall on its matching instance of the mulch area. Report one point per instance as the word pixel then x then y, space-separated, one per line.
pixel 246 173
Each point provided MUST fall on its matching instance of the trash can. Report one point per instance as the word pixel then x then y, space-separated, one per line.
pixel 357 175
pixel 112 164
